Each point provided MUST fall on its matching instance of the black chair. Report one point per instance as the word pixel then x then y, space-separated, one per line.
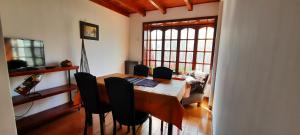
pixel 87 86
pixel 121 97
pixel 162 73
pixel 141 70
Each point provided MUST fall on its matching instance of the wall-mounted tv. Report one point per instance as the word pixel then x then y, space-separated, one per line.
pixel 24 52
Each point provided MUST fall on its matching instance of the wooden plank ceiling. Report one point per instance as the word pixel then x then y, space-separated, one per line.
pixel 127 7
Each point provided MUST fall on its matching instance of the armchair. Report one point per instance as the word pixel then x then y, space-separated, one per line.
pixel 198 82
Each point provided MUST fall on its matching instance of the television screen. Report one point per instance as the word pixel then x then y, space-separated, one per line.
pixel 24 52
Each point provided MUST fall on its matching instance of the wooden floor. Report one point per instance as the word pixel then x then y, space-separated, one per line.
pixel 197 121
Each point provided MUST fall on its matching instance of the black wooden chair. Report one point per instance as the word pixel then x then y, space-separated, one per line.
pixel 121 97
pixel 162 73
pixel 141 70
pixel 87 86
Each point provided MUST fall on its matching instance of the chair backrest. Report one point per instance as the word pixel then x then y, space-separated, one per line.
pixel 162 73
pixel 141 70
pixel 205 81
pixel 121 97
pixel 87 85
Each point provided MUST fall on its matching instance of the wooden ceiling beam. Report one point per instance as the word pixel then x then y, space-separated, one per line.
pixel 189 5
pixel 156 4
pixel 110 6
pixel 132 6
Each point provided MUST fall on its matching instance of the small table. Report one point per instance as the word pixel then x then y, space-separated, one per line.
pixel 161 101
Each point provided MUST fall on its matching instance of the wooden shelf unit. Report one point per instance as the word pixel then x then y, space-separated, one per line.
pixel 42 71
pixel 35 120
pixel 29 122
pixel 18 100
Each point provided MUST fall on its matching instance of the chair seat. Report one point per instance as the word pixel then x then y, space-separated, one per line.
pixel 104 108
pixel 140 118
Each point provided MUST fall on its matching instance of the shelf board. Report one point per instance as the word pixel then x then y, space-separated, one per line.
pixel 41 71
pixel 17 100
pixel 35 120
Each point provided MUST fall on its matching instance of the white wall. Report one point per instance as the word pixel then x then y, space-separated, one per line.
pixel 136 23
pixel 56 22
pixel 257 89
pixel 216 53
pixel 7 120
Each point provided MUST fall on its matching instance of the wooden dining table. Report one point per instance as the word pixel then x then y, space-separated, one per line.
pixel 161 101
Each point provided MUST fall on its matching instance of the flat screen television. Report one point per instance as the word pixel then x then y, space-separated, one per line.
pixel 22 53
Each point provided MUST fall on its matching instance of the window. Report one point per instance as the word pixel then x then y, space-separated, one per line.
pixel 31 51
pixel 170 48
pixel 204 49
pixel 186 50
pixel 182 46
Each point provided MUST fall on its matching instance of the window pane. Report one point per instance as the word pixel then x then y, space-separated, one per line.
pixel 167 45
pixel 208 46
pixel 159 34
pixel 181 68
pixel 191 33
pixel 168 34
pixel 199 67
pixel 159 45
pixel 158 63
pixel 174 45
pixel 167 56
pixel 147 54
pixel 152 64
pixel 37 44
pixel 158 55
pixel 207 58
pixel 182 57
pixel 152 57
pixel 200 57
pixel 202 33
pixel 201 45
pixel 15 50
pixel 190 45
pixel 189 57
pixel 153 45
pixel 30 62
pixel 21 52
pixel 188 67
pixel 183 45
pixel 27 43
pixel 210 32
pixel 153 34
pixel 206 68
pixel 28 52
pixel 173 56
pixel 183 34
pixel 37 52
pixel 144 54
pixel 148 45
pixel 39 61
pixel 172 66
pixel 145 35
pixel 145 44
pixel 166 64
pixel 174 34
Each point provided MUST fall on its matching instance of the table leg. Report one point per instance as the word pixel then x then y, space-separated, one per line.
pixel 170 129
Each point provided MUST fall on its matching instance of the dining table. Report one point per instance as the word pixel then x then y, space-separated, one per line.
pixel 162 101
